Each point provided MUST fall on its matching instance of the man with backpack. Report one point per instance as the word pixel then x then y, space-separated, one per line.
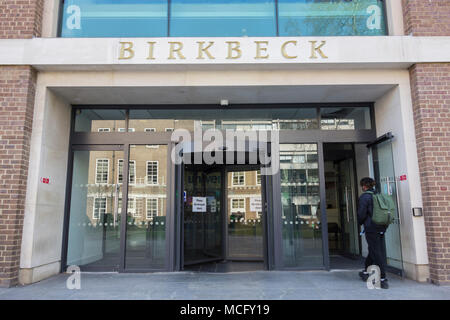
pixel 375 212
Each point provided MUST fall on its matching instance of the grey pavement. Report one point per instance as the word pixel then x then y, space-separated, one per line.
pixel 316 285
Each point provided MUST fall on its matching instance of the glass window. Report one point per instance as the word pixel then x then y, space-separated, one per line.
pixel 99 120
pixel 238 205
pixel 231 118
pixel 238 178
pixel 152 172
pixel 99 208
pixel 146 222
pixel 131 172
pixel 331 18
pixel 101 171
pixel 94 222
pixel 222 18
pixel 301 227
pixel 345 118
pixel 114 18
pixel 152 207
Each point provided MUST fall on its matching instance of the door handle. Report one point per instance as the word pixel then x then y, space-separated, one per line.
pixel 346 204
pixel 116 203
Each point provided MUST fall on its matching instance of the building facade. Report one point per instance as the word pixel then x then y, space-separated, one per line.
pixel 92 92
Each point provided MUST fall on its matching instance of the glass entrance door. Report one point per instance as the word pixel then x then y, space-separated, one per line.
pixel 95 209
pixel 346 181
pixel 202 211
pixel 384 174
pixel 245 216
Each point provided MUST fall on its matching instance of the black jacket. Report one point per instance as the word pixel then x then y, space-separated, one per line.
pixel 365 213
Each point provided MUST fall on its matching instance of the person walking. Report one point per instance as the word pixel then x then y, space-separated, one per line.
pixel 374 232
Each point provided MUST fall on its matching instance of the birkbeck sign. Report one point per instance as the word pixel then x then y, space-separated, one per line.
pixel 221 50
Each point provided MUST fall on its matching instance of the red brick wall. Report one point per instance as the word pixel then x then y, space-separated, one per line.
pixel 427 17
pixel 430 85
pixel 431 103
pixel 20 19
pixel 17 90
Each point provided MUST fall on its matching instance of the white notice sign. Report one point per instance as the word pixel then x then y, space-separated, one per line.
pixel 255 204
pixel 198 204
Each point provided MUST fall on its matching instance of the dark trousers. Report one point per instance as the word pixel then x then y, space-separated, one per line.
pixel 377 255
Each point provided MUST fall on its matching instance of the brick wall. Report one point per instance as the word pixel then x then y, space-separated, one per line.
pixel 20 19
pixel 17 90
pixel 430 85
pixel 431 102
pixel 426 17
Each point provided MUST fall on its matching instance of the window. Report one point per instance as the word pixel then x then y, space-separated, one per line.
pixel 99 208
pixel 123 130
pixel 101 171
pixel 152 207
pixel 238 178
pixel 132 208
pixel 258 177
pixel 222 18
pixel 131 173
pixel 169 129
pixel 238 205
pixel 151 146
pixel 114 18
pixel 152 172
pixel 104 130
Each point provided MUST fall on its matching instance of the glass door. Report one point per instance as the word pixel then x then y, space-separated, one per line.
pixel 95 208
pixel 384 174
pixel 245 232
pixel 202 214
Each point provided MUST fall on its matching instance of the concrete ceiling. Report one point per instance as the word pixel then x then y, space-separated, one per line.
pixel 213 94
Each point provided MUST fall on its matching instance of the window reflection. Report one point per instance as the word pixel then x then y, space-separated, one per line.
pixel 302 239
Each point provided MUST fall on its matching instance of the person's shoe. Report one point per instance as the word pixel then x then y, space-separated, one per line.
pixel 384 284
pixel 363 275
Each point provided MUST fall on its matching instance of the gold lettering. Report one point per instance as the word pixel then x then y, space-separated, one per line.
pixel 234 46
pixel 176 47
pixel 202 50
pixel 151 50
pixel 260 50
pixel 318 49
pixel 283 49
pixel 126 47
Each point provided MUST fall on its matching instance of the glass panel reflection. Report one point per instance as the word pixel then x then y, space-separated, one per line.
pixel 147 205
pixel 99 120
pixel 202 223
pixel 331 18
pixel 345 118
pixel 245 238
pixel 114 18
pixel 222 18
pixel 159 120
pixel 94 225
pixel 301 226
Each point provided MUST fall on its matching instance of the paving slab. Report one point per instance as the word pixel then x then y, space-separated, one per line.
pixel 259 285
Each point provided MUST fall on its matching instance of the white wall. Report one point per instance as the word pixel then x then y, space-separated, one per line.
pixel 393 112
pixel 44 206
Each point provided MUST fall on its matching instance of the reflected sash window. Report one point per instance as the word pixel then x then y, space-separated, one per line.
pixel 152 207
pixel 99 208
pixel 101 171
pixel 131 172
pixel 152 172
